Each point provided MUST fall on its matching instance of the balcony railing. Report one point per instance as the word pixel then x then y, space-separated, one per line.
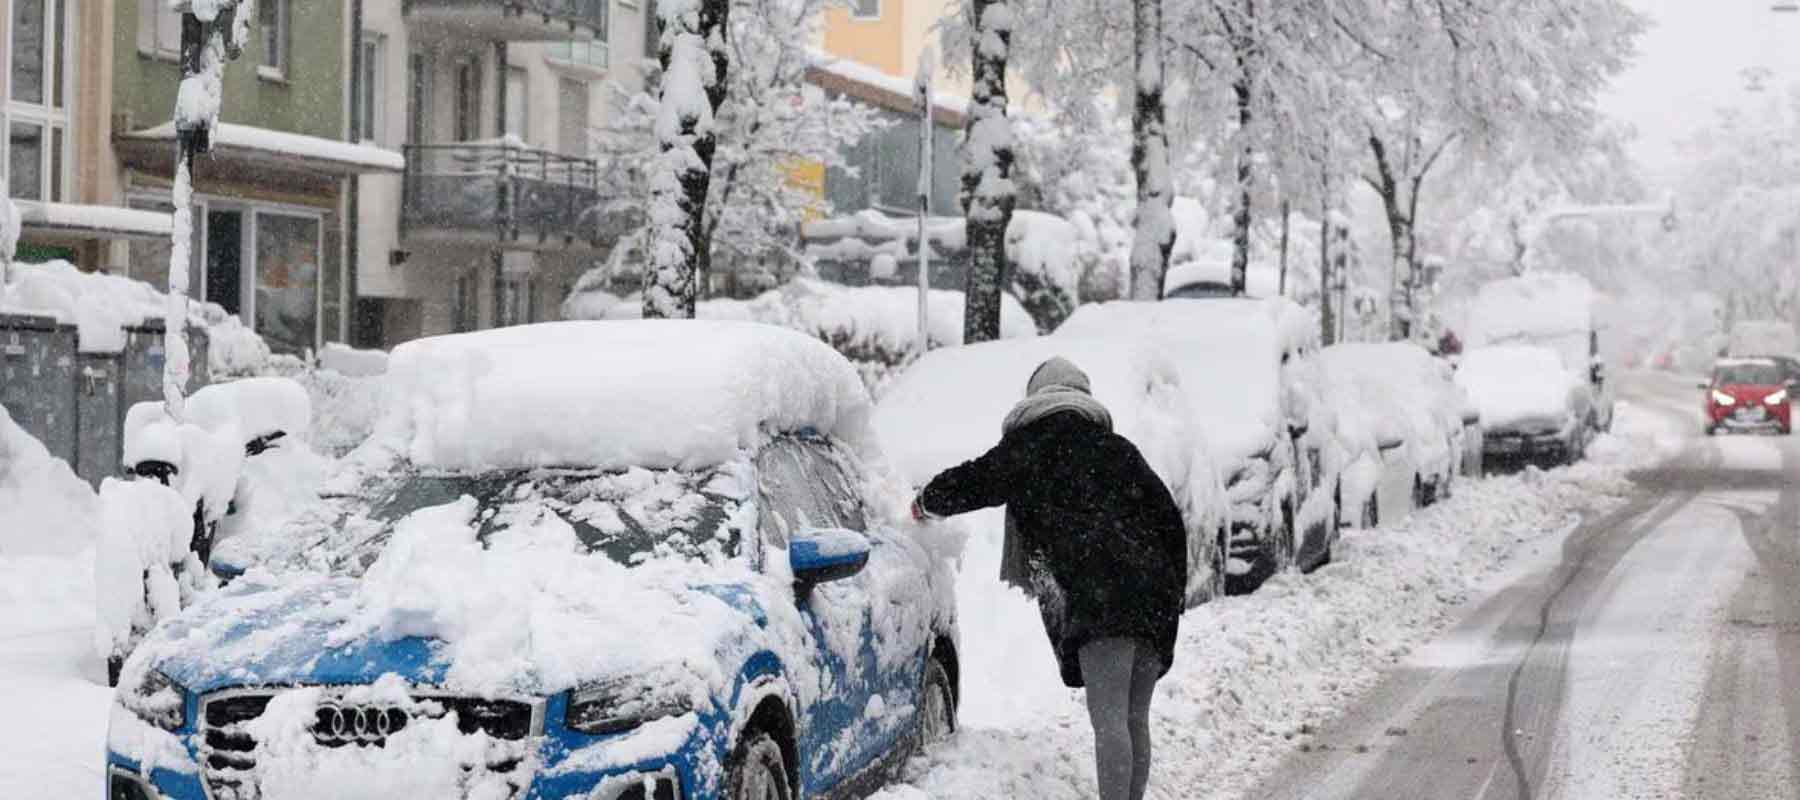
pixel 501 193
pixel 511 20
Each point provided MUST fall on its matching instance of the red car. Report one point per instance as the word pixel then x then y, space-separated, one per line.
pixel 1748 394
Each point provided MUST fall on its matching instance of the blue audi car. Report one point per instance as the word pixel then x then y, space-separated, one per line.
pixel 639 560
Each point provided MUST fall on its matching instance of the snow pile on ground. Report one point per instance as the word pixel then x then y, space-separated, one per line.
pixel 1514 385
pixel 44 508
pixel 608 394
pixel 102 306
pixel 1252 675
pixel 344 408
pixel 352 362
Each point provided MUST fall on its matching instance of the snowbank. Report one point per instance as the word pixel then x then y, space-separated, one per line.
pixel 351 362
pixel 609 395
pixel 1517 385
pixel 102 306
pixel 44 507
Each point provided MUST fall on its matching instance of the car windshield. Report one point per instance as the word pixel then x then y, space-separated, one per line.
pixel 631 517
pixel 1748 374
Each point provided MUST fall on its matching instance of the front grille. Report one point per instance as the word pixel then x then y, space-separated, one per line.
pixel 229 750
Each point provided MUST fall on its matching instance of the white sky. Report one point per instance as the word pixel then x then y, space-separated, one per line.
pixel 1690 63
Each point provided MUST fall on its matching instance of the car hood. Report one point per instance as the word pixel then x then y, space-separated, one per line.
pixel 317 630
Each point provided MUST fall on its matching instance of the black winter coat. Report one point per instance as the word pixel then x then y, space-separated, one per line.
pixel 1095 519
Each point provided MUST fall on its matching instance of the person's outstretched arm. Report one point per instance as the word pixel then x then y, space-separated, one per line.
pixel 981 483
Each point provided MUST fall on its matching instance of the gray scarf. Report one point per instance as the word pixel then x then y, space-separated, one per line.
pixel 1056 386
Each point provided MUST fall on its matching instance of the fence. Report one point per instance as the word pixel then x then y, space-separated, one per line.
pixel 75 402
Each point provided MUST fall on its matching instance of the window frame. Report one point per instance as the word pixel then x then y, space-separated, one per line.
pixel 420 82
pixel 811 454
pixel 518 104
pixel 283 39
pixel 858 15
pixel 52 116
pixel 373 83
pixel 151 13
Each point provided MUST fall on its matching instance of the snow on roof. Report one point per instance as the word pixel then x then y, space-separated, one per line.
pixel 107 222
pixel 900 89
pixel 1744 362
pixel 1515 384
pixel 611 395
pixel 357 157
pixel 1533 306
pixel 1228 351
pixel 947 408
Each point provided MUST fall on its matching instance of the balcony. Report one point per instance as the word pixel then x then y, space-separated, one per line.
pixel 509 20
pixel 502 193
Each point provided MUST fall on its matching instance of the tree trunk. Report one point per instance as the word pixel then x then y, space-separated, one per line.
pixel 1287 216
pixel 1241 89
pixel 1154 234
pixel 1327 318
pixel 694 64
pixel 988 194
pixel 1399 234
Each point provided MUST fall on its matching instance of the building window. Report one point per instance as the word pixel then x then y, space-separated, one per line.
pixel 287 280
pixel 273 25
pixel 867 10
pixel 36 118
pixel 592 54
pixel 516 306
pixel 465 306
pixel 468 100
pixel 573 107
pixel 418 96
pixel 518 102
pixel 159 29
pixel 374 122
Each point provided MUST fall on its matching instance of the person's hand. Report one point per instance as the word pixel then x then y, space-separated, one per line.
pixel 919 514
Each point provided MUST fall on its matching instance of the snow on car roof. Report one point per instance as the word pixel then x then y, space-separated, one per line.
pixel 1744 362
pixel 947 408
pixel 1227 350
pixel 1534 305
pixel 1391 390
pixel 611 395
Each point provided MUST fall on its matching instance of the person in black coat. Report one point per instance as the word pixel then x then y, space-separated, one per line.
pixel 1093 533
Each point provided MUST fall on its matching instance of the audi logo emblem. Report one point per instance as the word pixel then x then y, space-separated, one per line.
pixel 339 725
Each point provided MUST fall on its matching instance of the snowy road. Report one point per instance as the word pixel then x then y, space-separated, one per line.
pixel 1659 656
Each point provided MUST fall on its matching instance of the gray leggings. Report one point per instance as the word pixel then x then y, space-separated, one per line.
pixel 1121 676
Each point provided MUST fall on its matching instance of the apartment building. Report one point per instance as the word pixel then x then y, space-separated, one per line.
pixel 492 103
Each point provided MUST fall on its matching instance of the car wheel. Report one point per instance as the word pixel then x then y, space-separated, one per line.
pixel 937 711
pixel 756 771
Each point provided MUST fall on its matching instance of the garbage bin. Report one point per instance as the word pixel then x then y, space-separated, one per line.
pixel 99 395
pixel 37 380
pixel 143 363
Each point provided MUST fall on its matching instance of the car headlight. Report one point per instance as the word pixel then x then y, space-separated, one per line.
pixel 622 705
pixel 1780 396
pixel 1723 399
pixel 158 700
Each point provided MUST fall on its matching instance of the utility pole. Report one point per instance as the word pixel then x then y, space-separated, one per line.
pixel 922 95
pixel 206 44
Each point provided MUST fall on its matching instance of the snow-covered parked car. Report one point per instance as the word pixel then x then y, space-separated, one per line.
pixel 1402 420
pixel 1249 371
pixel 568 564
pixel 948 407
pixel 1533 408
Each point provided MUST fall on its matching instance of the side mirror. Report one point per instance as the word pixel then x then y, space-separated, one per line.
pixel 823 555
pixel 1386 443
pixel 1703 385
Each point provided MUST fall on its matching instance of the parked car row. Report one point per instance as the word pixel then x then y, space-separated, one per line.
pixel 568 565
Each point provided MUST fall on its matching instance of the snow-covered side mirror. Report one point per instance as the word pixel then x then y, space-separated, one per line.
pixel 822 555
pixel 1703 385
